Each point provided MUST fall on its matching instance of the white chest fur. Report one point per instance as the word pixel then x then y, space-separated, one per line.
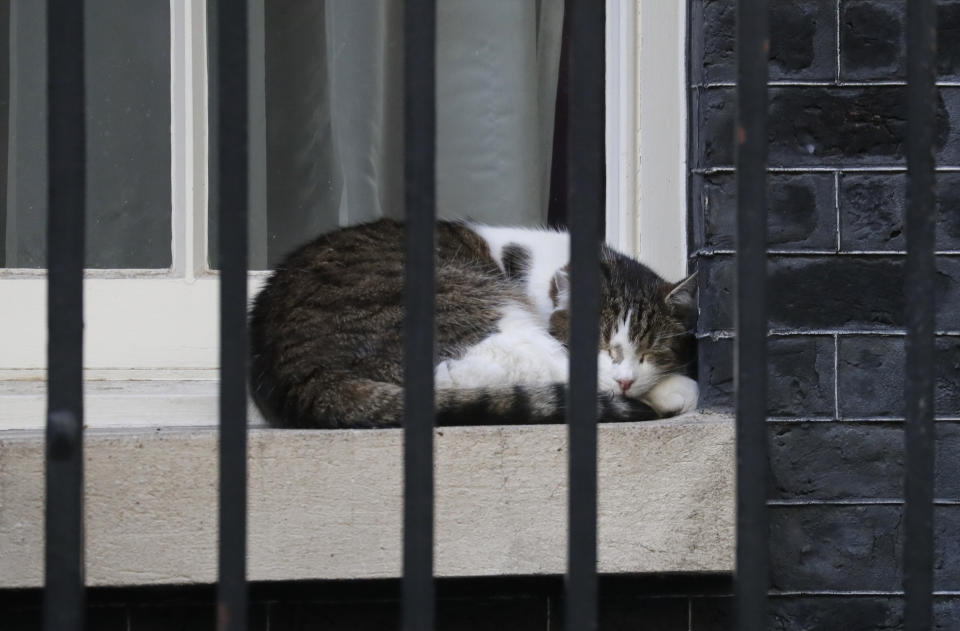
pixel 549 251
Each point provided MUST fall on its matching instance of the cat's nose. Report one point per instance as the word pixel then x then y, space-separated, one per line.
pixel 625 384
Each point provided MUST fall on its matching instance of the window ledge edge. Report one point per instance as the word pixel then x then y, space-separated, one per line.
pixel 328 504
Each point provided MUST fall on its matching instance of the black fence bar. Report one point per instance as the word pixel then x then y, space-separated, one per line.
pixel 751 318
pixel 420 199
pixel 232 186
pixel 919 289
pixel 63 606
pixel 585 208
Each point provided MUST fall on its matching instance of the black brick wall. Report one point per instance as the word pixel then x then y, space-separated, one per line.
pixel 836 305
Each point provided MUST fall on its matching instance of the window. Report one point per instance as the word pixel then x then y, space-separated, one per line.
pixel 151 295
pixel 657 59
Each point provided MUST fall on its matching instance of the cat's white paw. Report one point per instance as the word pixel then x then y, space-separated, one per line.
pixel 674 394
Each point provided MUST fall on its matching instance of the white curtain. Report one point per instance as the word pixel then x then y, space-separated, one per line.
pixel 334 120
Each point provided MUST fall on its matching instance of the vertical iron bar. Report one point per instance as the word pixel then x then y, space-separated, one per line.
pixel 753 48
pixel 63 606
pixel 420 201
pixel 919 289
pixel 585 208
pixel 232 175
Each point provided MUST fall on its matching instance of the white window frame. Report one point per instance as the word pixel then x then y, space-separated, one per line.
pixel 177 305
pixel 645 215
pixel 646 132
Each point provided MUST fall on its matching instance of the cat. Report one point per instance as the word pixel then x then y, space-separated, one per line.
pixel 326 331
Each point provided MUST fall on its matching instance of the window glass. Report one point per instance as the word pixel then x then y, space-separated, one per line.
pixel 327 78
pixel 128 134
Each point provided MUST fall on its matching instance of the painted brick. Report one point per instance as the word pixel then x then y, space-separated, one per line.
pixel 946 613
pixel 849 614
pixel 946 548
pixel 853 547
pixel 826 461
pixel 947 461
pixel 871 376
pixel 800 378
pixel 836 547
pixel 872 207
pixel 861 613
pixel 801 212
pixel 803 41
pixel 858 613
pixel 831 461
pixel 825 126
pixel 715 284
pixel 816 547
pixel 828 292
pixel 873 40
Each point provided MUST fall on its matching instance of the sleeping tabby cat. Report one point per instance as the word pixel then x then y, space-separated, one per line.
pixel 327 331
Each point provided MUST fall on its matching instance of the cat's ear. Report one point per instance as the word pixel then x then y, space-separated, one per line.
pixel 560 289
pixel 682 297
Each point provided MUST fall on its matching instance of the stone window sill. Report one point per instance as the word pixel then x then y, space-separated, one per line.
pixel 327 504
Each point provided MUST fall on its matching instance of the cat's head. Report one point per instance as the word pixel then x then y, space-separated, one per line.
pixel 646 323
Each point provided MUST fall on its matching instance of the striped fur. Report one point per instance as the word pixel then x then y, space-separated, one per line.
pixel 327 330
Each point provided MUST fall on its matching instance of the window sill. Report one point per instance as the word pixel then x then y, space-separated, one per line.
pixel 327 505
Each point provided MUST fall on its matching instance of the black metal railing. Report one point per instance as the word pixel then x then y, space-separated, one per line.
pixel 919 288
pixel 750 357
pixel 419 23
pixel 230 53
pixel 64 579
pixel 63 602
pixel 585 206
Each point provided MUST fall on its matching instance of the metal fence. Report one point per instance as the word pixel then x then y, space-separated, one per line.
pixel 64 591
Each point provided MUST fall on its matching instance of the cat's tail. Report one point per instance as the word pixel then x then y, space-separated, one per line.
pixel 528 404
pixel 372 404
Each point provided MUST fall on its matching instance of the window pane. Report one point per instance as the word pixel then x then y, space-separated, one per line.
pixel 326 146
pixel 128 134
pixel 291 148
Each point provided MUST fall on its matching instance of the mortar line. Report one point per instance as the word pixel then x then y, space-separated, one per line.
pixel 836 376
pixel 826 83
pixel 838 592
pixel 837 76
pixel 791 503
pixel 822 169
pixel 798 253
pixel 721 334
pixel 853 420
pixel 836 204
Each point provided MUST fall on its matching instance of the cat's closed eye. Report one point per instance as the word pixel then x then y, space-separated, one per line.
pixel 616 353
